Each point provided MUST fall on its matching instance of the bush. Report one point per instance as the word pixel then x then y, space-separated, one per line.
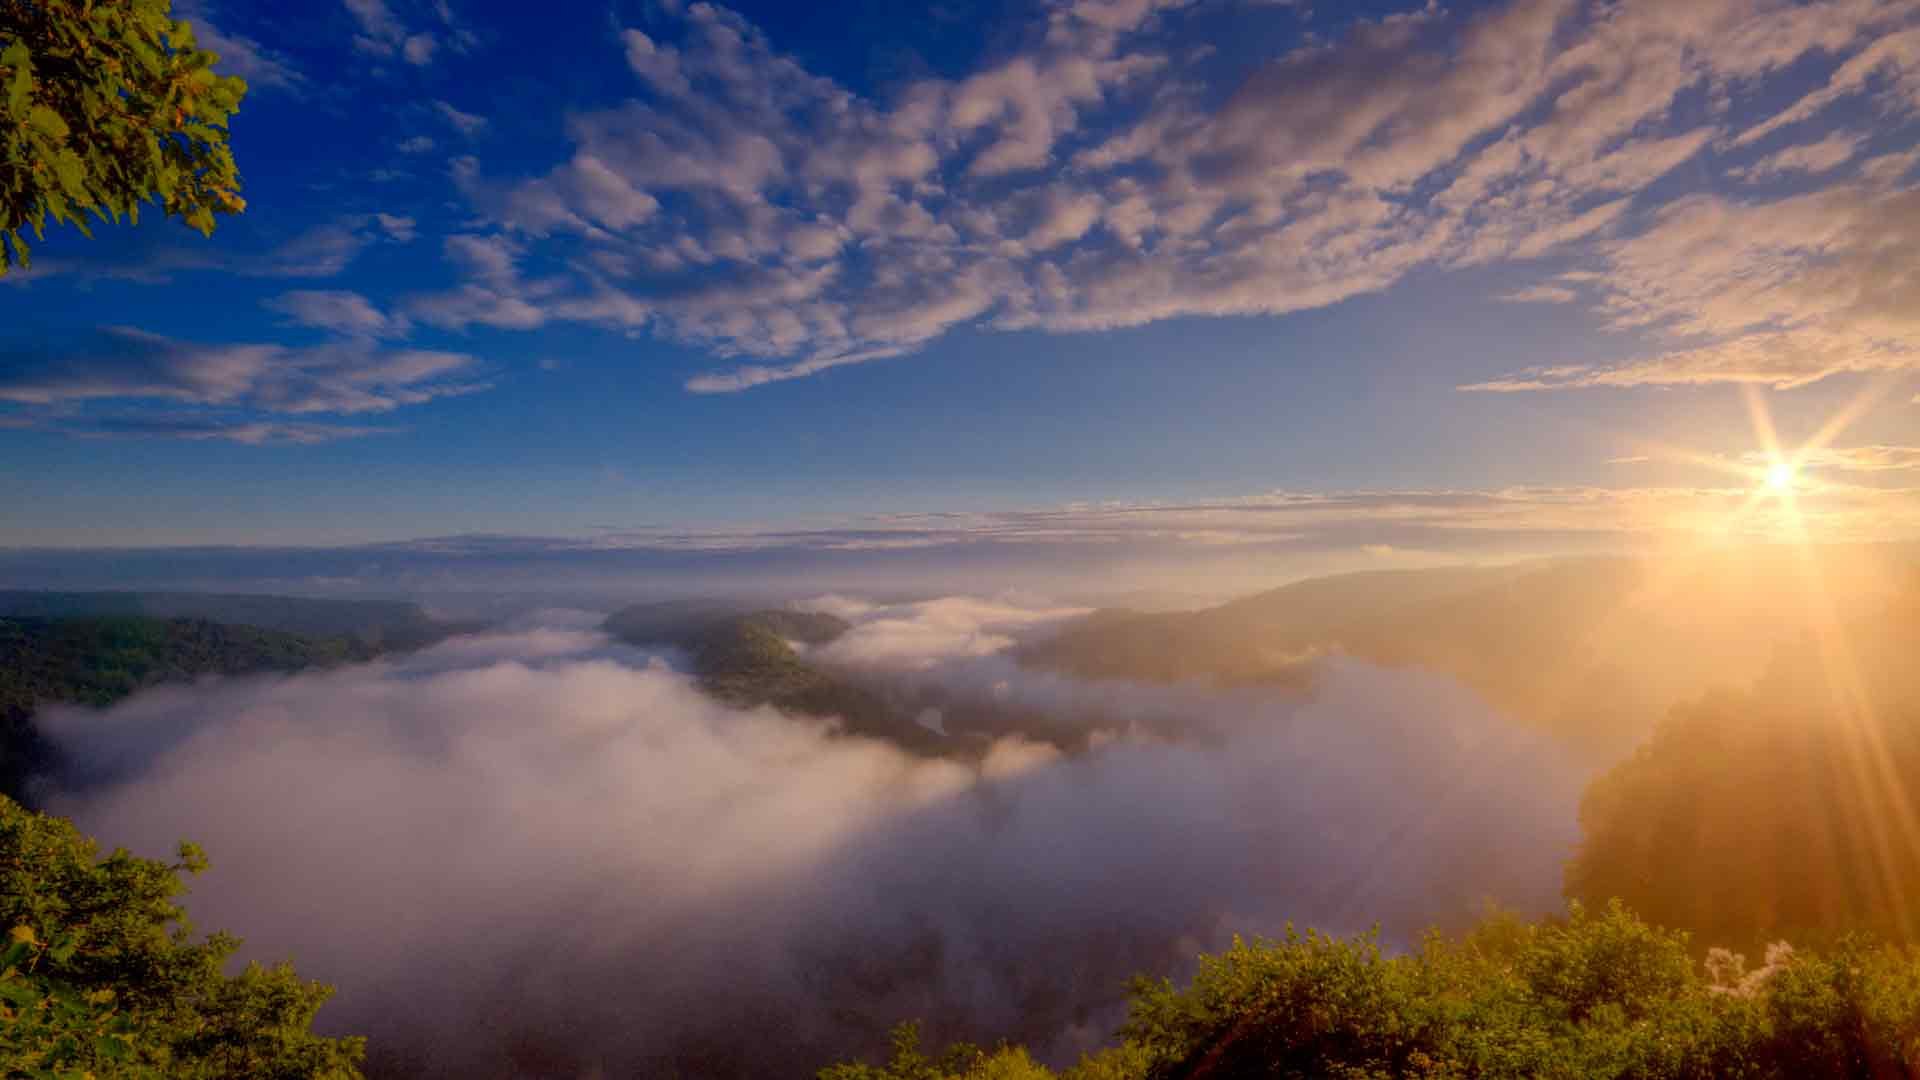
pixel 1593 995
pixel 100 974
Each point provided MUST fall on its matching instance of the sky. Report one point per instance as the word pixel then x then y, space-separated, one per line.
pixel 1334 283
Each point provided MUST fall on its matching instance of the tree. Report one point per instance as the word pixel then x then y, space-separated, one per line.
pixel 100 974
pixel 106 106
pixel 1591 996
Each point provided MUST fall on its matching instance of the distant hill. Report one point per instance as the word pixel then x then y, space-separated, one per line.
pixel 747 659
pixel 99 660
pixel 1264 639
pixel 1592 649
pixel 1784 810
pixel 391 624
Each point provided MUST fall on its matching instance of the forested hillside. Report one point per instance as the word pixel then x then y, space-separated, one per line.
pixel 748 659
pixel 392 624
pixel 1594 650
pixel 1787 809
pixel 97 661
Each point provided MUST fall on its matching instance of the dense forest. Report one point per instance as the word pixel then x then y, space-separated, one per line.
pixel 748 659
pixel 1590 995
pixel 98 661
pixel 95 648
pixel 387 624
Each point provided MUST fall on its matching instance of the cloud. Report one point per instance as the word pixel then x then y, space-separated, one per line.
pixel 398 227
pixel 124 363
pixel 340 311
pixel 1829 153
pixel 465 123
pixel 495 297
pixel 1541 294
pixel 1782 292
pixel 417 144
pixel 744 204
pixel 384 35
pixel 643 880
pixel 318 251
pixel 263 68
pixel 1197 549
pixel 418 49
pixel 1868 459
pixel 192 428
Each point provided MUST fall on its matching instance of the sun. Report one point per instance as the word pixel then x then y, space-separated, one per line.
pixel 1781 476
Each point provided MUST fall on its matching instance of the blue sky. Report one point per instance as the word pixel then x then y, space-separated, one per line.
pixel 656 269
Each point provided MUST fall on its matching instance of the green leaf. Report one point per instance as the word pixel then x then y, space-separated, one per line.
pixel 45 120
pixel 20 85
pixel 71 174
pixel 19 992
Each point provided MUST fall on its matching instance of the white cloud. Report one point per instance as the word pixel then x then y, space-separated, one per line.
pixel 1868 459
pixel 340 311
pixel 1541 294
pixel 1780 293
pixel 398 227
pixel 465 123
pixel 263 68
pixel 642 849
pixel 746 205
pixel 1829 153
pixel 380 32
pixel 345 377
pixel 193 428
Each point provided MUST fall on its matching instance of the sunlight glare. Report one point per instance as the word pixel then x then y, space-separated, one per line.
pixel 1780 476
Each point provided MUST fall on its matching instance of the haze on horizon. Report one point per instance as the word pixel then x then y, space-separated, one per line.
pixel 1328 285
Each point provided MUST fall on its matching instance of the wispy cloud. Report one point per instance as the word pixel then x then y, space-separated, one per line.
pixel 263 68
pixel 465 123
pixel 318 251
pixel 126 364
pixel 762 211
pixel 1779 293
pixel 340 311
pixel 1867 459
pixel 1541 294
pixel 208 429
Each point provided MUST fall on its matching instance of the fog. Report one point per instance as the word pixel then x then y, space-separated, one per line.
pixel 538 852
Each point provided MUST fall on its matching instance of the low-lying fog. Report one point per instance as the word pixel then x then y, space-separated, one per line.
pixel 539 852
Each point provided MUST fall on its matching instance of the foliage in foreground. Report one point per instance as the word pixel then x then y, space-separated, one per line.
pixel 103 107
pixel 1590 996
pixel 100 974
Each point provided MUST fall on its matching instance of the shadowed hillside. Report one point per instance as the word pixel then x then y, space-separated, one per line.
pixel 748 659
pixel 1591 649
pixel 1790 809
pixel 97 661
pixel 391 624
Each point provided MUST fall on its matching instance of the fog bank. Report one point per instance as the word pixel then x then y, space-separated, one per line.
pixel 540 853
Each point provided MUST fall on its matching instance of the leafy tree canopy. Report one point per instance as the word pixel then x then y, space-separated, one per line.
pixel 105 105
pixel 1593 995
pixel 100 975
